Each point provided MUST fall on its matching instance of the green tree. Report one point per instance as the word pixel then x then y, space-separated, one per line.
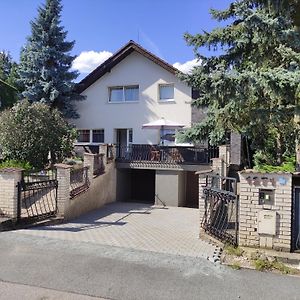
pixel 251 87
pixel 45 65
pixel 8 78
pixel 29 132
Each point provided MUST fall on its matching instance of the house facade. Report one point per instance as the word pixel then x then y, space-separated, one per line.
pixel 130 89
pixel 133 88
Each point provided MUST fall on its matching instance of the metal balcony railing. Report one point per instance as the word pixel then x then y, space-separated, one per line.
pixel 166 154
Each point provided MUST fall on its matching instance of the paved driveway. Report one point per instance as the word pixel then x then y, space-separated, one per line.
pixel 170 230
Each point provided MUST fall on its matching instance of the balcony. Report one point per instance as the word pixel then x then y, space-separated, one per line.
pixel 172 155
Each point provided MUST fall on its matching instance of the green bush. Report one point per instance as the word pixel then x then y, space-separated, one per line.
pixel 15 164
pixel 262 164
pixel 30 132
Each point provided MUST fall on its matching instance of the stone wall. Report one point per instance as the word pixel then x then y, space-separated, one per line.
pixel 265 210
pixel 102 190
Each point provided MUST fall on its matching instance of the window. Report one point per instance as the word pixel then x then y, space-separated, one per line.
pixel 124 93
pixel 98 136
pixel 130 136
pixel 83 136
pixel 90 136
pixel 166 91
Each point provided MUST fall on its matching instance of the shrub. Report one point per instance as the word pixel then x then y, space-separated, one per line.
pixel 262 164
pixel 30 132
pixel 15 164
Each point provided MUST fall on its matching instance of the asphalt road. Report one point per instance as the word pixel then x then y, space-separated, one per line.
pixel 77 268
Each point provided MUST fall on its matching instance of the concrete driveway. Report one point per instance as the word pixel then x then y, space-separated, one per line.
pixel 169 230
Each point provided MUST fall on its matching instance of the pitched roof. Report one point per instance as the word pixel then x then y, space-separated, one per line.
pixel 118 57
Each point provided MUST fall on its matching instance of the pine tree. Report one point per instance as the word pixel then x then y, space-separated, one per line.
pixel 45 65
pixel 251 87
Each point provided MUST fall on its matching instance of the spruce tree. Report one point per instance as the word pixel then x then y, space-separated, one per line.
pixel 251 87
pixel 45 66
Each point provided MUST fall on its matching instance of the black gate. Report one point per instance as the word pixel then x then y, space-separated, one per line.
pixel 220 218
pixel 37 196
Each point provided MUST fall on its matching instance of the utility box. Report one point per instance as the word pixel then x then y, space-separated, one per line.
pixel 266 222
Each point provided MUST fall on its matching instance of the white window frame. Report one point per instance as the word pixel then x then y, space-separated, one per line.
pixel 90 142
pixel 167 99
pixel 123 98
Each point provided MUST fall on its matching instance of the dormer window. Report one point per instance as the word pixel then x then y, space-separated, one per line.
pixel 129 93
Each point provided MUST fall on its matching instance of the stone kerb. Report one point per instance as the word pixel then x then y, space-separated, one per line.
pixel 261 232
pixel 9 179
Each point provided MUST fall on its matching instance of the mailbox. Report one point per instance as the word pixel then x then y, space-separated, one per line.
pixel 266 222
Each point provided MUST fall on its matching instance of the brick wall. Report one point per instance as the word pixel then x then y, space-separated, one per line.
pixel 251 184
pixel 9 179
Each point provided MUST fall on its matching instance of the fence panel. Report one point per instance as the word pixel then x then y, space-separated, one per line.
pixel 79 181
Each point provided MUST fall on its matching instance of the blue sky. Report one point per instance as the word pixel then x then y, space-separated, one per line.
pixel 100 27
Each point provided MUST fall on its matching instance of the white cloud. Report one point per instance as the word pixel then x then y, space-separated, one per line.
pixel 187 66
pixel 87 61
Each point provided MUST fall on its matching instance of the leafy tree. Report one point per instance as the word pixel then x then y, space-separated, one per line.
pixel 29 132
pixel 251 87
pixel 8 77
pixel 45 73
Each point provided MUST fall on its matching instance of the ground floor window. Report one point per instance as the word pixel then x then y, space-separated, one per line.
pixel 90 136
pixel 83 136
pixel 98 136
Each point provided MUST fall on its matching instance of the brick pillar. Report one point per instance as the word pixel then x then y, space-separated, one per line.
pixel 63 190
pixel 88 161
pixel 103 152
pixel 235 148
pixel 9 179
pixel 202 183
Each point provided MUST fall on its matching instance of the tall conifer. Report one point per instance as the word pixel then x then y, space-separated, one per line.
pixel 251 87
pixel 45 67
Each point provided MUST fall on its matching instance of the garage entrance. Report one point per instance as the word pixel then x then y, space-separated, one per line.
pixel 136 185
pixel 143 186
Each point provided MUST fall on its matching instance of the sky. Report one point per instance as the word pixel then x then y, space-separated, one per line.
pixel 101 27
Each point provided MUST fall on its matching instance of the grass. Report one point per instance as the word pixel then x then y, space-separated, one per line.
pixel 265 265
pixel 231 250
pixel 235 266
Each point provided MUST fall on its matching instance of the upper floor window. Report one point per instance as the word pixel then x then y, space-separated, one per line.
pixel 124 93
pixel 166 92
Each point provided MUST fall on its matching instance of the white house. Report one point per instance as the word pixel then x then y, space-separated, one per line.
pixel 130 89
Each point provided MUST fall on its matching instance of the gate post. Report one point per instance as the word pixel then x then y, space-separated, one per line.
pixel 202 184
pixel 9 179
pixel 63 188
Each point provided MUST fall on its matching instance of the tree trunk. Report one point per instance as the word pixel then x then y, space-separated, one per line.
pixel 279 150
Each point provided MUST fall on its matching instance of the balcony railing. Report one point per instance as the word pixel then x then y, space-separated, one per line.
pixel 166 154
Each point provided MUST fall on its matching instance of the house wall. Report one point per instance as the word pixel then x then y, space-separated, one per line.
pixel 97 113
pixel 123 185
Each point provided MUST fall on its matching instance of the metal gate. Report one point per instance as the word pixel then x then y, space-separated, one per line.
pixel 37 196
pixel 220 218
